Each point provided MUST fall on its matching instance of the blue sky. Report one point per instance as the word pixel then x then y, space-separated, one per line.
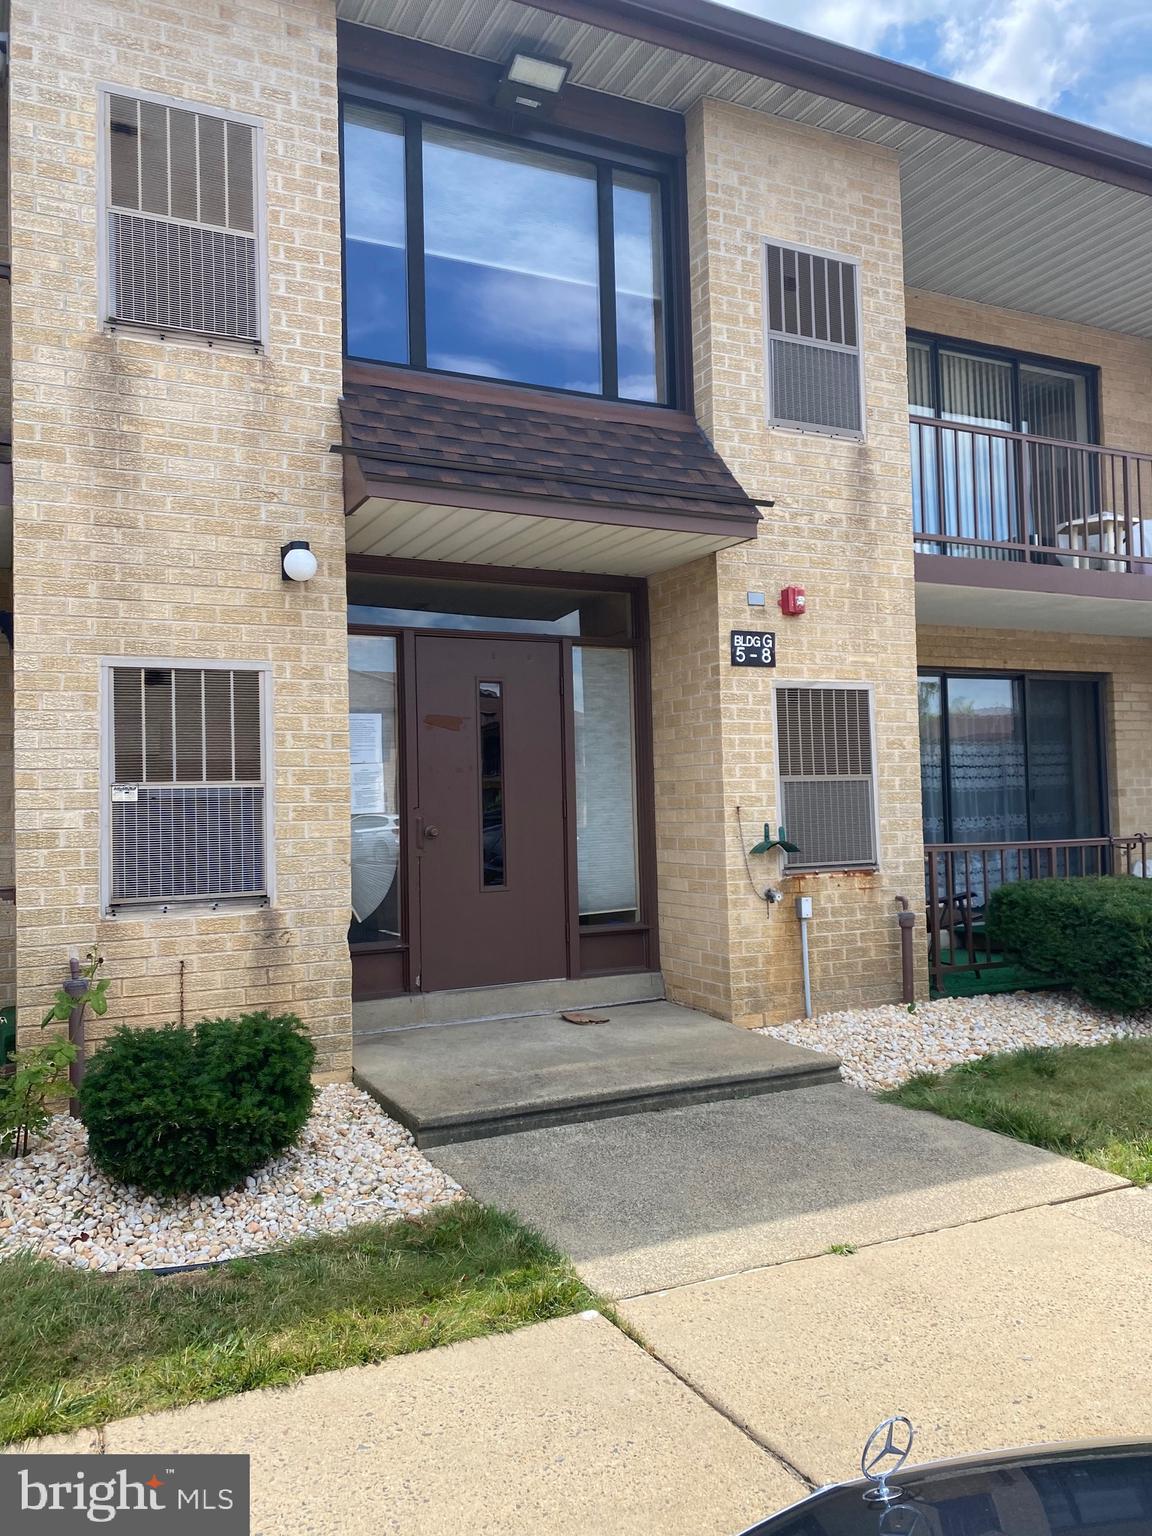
pixel 1085 59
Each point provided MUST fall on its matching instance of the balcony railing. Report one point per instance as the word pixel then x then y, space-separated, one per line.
pixel 959 879
pixel 980 492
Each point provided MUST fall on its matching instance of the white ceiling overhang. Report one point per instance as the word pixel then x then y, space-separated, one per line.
pixel 414 530
pixel 980 223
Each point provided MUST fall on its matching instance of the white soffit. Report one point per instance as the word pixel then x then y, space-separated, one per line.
pixel 410 530
pixel 993 608
pixel 979 223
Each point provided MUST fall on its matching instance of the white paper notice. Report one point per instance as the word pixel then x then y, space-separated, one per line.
pixel 366 733
pixel 367 789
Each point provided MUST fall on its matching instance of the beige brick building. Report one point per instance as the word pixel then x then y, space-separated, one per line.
pixel 575 359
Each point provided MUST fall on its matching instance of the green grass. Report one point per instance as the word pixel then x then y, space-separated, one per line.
pixel 1090 1102
pixel 82 1349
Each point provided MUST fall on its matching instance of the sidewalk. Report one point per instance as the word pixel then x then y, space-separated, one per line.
pixel 566 1427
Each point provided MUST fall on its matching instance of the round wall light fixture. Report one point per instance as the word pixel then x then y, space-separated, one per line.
pixel 297 562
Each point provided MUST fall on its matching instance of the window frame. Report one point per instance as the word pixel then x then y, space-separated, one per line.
pixel 606 158
pixel 854 686
pixel 1023 676
pixel 107 320
pixel 769 335
pixel 182 904
pixel 935 341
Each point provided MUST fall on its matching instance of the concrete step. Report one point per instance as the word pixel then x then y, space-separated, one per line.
pixel 517 1000
pixel 498 1076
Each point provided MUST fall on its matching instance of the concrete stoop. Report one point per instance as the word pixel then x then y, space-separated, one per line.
pixel 490 1077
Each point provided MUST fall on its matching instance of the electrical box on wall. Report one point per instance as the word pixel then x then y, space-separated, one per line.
pixel 793 601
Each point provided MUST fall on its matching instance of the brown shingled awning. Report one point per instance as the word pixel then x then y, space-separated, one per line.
pixel 439 469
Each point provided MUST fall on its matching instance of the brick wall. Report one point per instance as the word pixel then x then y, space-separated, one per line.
pixel 1126 665
pixel 840 528
pixel 1125 362
pixel 155 482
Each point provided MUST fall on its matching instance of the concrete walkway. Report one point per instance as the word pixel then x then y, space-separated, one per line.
pixel 655 1201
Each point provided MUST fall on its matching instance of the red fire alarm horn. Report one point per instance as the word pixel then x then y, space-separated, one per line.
pixel 793 602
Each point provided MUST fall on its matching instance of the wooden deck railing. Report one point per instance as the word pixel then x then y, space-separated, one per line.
pixel 981 492
pixel 959 878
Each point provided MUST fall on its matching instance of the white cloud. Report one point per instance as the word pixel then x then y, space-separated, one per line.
pixel 1030 50
pixel 1061 55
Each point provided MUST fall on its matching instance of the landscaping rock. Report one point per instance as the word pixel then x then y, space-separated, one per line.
pixel 352 1164
pixel 883 1047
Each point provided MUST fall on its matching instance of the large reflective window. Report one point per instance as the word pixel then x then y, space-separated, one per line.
pixel 511 262
pixel 639 252
pixel 375 270
pixel 375 807
pixel 508 246
pixel 605 785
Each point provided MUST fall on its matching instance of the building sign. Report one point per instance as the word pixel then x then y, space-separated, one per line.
pixel 753 648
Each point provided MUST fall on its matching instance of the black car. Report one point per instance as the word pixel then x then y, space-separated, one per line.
pixel 1093 1489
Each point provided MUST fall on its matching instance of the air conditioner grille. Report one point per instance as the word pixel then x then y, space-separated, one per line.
pixel 815 386
pixel 182 277
pixel 188 798
pixel 824 752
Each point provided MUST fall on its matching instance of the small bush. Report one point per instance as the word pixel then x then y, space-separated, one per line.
pixel 195 1110
pixel 1094 933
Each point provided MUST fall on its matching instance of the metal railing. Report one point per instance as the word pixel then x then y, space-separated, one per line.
pixel 959 879
pixel 984 493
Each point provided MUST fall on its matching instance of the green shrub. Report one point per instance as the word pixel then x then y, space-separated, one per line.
pixel 194 1110
pixel 1094 933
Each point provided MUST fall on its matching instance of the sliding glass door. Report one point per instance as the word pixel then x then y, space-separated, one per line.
pixel 974 481
pixel 1010 759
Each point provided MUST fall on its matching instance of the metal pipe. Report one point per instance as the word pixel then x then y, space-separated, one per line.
pixel 804 913
pixel 907 921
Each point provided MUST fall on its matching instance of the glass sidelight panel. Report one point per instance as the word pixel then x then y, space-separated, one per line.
pixel 490 714
pixel 932 759
pixel 987 774
pixel 374 776
pixel 606 840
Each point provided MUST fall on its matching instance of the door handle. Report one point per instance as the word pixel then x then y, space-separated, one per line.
pixel 431 831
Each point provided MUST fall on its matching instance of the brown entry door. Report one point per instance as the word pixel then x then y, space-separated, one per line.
pixel 489 833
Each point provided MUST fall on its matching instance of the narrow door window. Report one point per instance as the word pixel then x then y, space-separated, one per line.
pixel 491 717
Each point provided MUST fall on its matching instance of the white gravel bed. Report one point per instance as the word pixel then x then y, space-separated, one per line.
pixel 352 1164
pixel 883 1047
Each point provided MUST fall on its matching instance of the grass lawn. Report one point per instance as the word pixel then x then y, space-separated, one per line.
pixel 1091 1102
pixel 80 1349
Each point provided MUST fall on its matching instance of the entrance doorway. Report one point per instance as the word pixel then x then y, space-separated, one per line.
pixel 489 825
pixel 500 777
